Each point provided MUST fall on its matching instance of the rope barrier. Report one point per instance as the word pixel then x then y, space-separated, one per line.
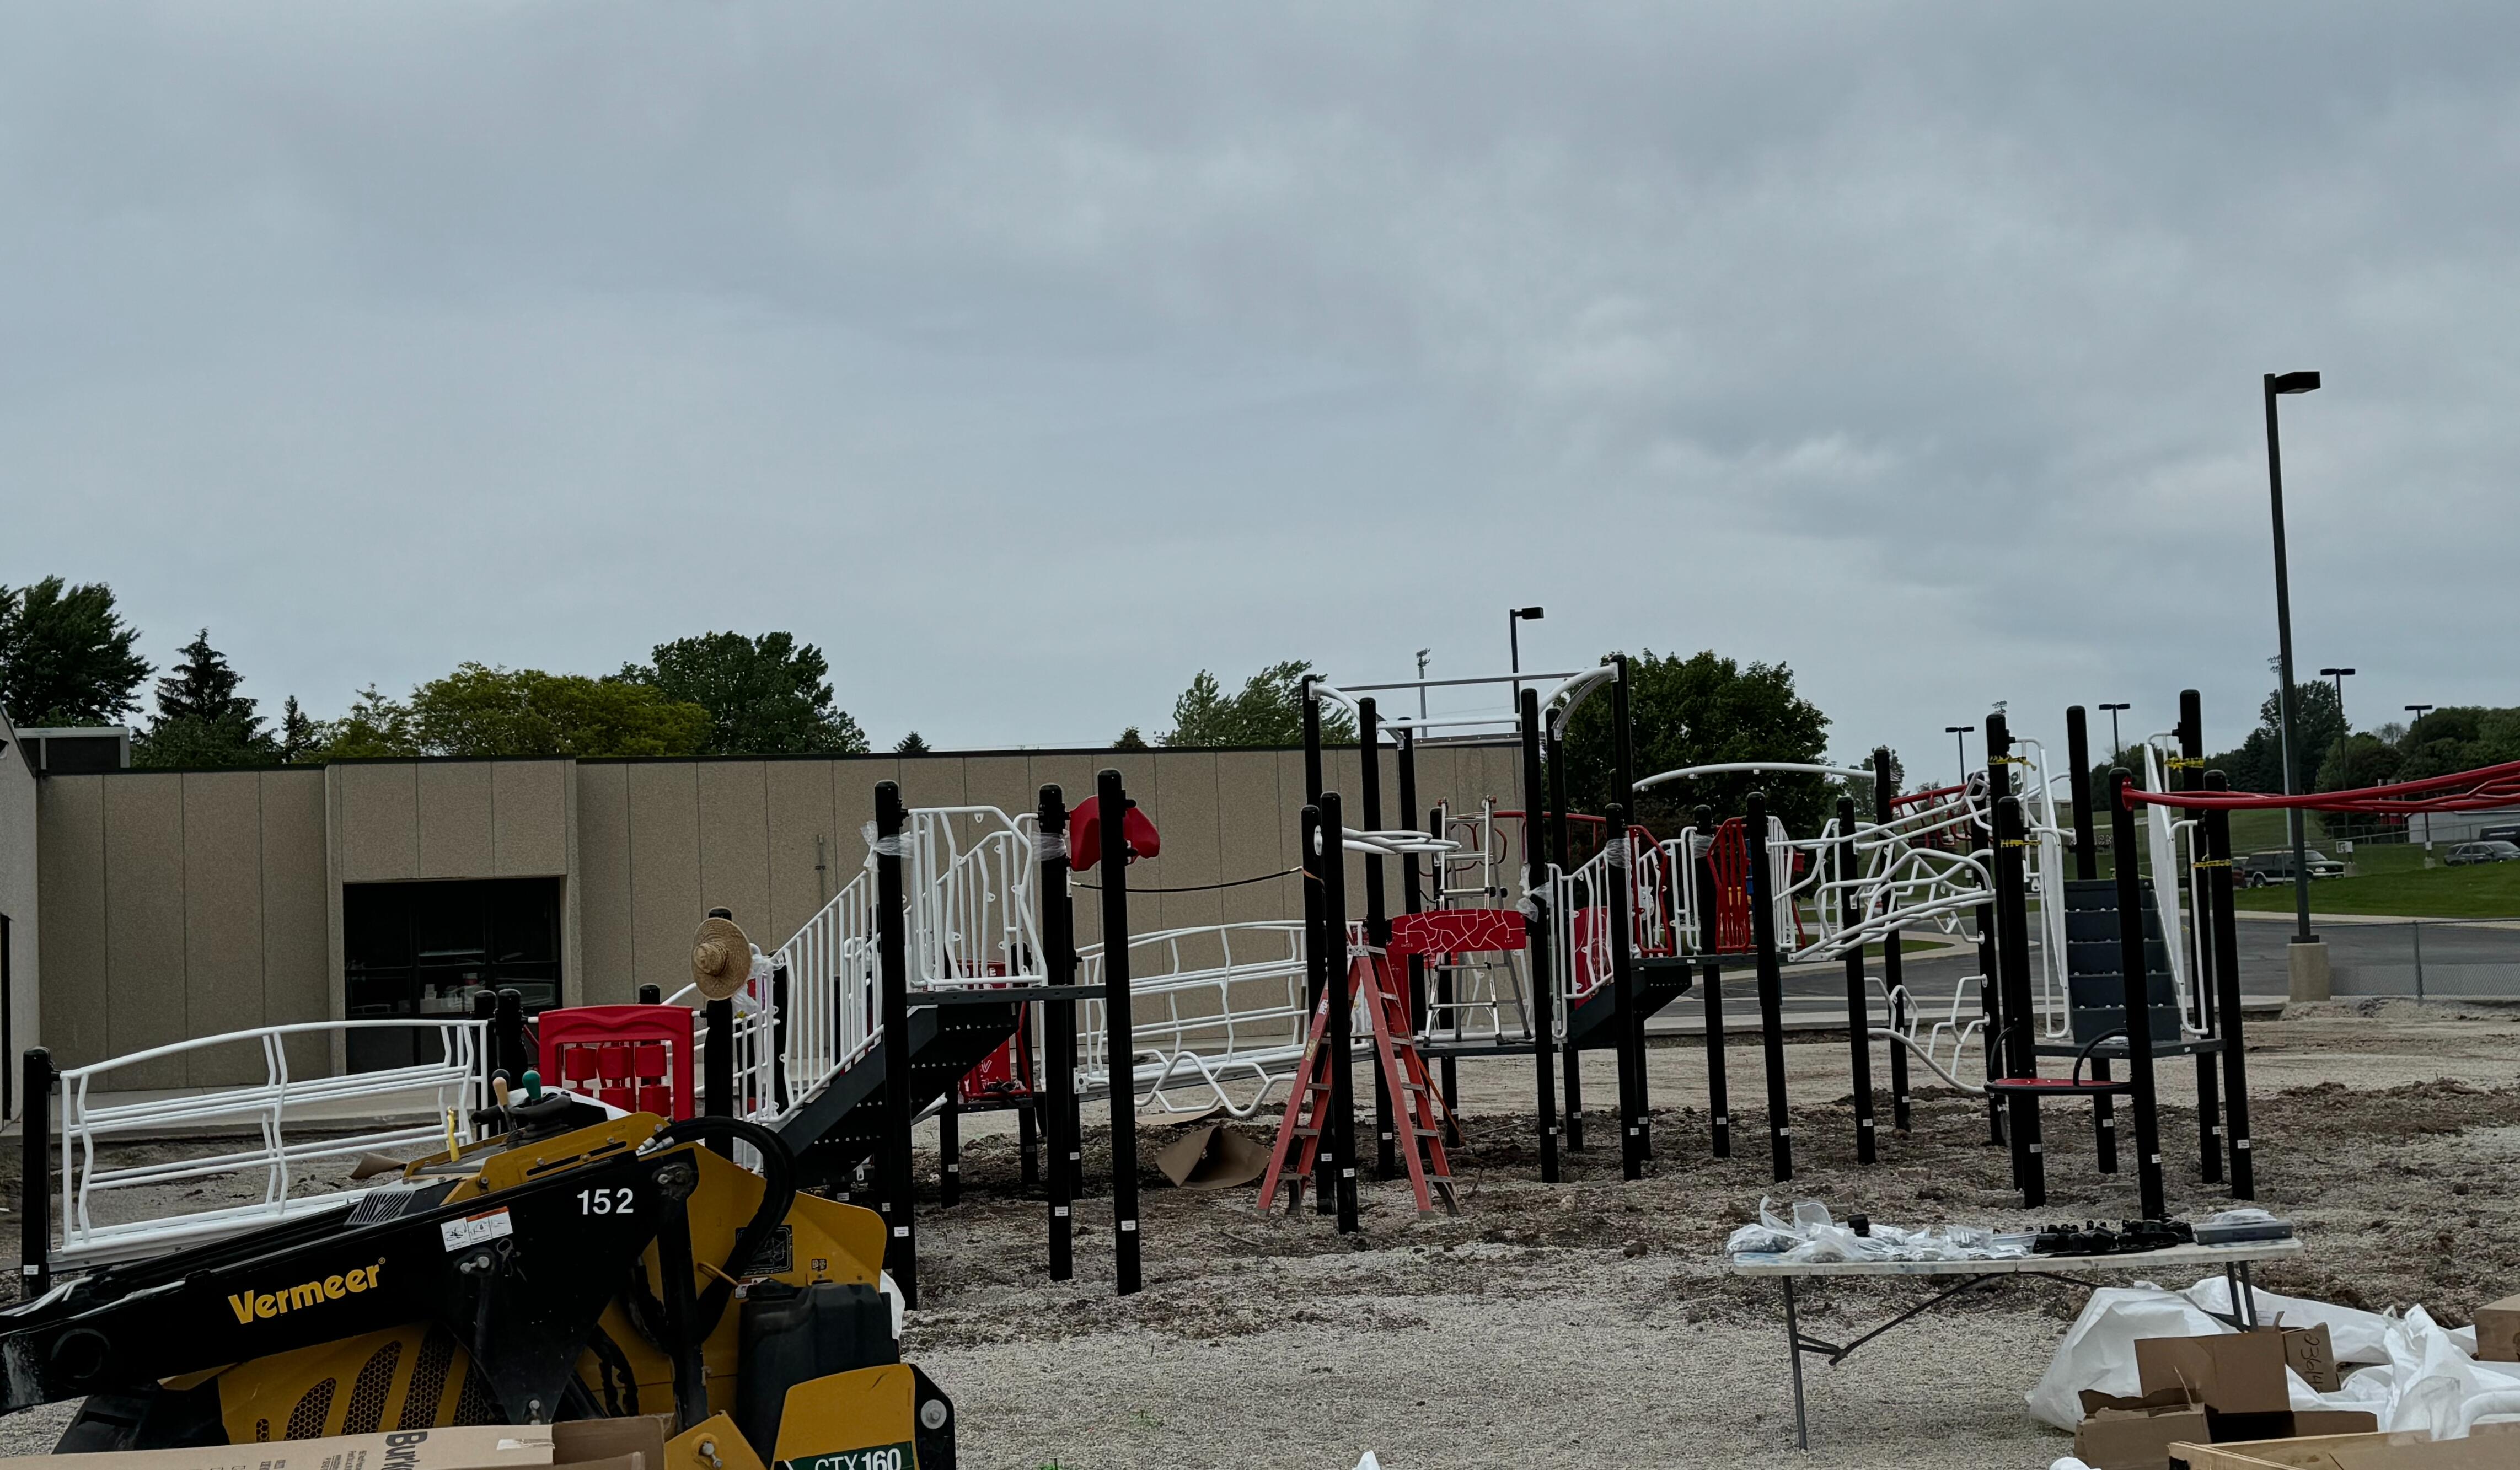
pixel 1201 887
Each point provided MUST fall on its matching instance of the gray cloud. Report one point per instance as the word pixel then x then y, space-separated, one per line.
pixel 1913 345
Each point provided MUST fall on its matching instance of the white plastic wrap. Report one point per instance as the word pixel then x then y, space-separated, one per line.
pixel 2422 1375
pixel 1809 1233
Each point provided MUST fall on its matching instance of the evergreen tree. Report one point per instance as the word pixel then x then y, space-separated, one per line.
pixel 911 745
pixel 300 734
pixel 202 719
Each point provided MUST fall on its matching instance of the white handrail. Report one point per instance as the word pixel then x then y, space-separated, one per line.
pixel 454 1085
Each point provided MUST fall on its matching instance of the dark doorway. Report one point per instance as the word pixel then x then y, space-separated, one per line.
pixel 423 950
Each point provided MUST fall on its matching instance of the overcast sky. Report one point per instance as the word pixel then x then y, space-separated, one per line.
pixel 1032 358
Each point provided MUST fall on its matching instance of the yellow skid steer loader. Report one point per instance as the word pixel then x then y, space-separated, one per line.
pixel 574 1267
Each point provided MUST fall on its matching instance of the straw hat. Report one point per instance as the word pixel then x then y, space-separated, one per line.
pixel 721 959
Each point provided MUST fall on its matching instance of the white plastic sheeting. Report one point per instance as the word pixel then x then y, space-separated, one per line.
pixel 2419 1374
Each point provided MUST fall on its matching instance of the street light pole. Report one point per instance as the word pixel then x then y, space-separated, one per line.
pixel 1421 684
pixel 2277 385
pixel 2340 676
pixel 2116 742
pixel 1960 734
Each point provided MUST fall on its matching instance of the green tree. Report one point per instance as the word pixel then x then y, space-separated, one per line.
pixel 201 720
pixel 1700 711
pixel 2462 737
pixel 2360 761
pixel 300 736
pixel 376 726
pixel 911 745
pixel 65 655
pixel 766 696
pixel 1131 739
pixel 2258 763
pixel 1267 711
pixel 479 710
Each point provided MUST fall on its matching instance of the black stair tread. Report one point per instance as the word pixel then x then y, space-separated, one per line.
pixel 843 1124
pixel 1589 1023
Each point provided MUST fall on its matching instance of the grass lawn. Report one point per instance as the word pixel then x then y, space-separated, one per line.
pixel 2392 880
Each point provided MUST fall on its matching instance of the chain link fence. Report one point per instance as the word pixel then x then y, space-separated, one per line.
pixel 2425 959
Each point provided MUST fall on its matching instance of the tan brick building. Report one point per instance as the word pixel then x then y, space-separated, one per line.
pixel 151 907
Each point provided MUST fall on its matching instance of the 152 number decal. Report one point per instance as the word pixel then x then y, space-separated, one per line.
pixel 607 1201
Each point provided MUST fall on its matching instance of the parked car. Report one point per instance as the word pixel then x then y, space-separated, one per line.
pixel 2258 869
pixel 2484 852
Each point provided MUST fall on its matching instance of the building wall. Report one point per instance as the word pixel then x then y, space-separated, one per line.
pixel 178 905
pixel 20 895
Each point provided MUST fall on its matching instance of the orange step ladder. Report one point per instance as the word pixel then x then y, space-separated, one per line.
pixel 1404 1078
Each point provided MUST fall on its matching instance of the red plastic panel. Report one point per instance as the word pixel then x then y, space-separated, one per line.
pixel 640 1051
pixel 1455 931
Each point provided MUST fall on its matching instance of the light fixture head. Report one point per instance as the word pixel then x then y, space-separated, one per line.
pixel 1529 615
pixel 2294 383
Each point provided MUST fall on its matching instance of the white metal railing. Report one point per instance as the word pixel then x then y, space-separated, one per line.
pixel 1213 1006
pixel 274 1127
pixel 970 880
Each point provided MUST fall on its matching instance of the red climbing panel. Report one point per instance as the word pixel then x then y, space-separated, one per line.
pixel 635 1057
pixel 1455 931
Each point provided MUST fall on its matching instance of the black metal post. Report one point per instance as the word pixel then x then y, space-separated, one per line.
pixel 778 1030
pixel 2087 867
pixel 1321 959
pixel 1554 830
pixel 2227 979
pixel 949 1149
pixel 35 1175
pixel 2298 820
pixel 1542 1010
pixel 2077 754
pixel 2020 1034
pixel 2136 977
pixel 515 1054
pixel 1413 886
pixel 1991 1008
pixel 1772 983
pixel 2209 1087
pixel 1634 1108
pixel 897 1198
pixel 1028 1039
pixel 1339 1137
pixel 1377 914
pixel 1858 997
pixel 1719 1107
pixel 1885 810
pixel 1120 1047
pixel 1623 996
pixel 1058 1028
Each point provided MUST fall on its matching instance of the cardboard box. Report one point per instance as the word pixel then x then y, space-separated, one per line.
pixel 2240 1378
pixel 2497 1331
pixel 485 1446
pixel 2308 1352
pixel 636 1442
pixel 2135 1434
pixel 2489 1447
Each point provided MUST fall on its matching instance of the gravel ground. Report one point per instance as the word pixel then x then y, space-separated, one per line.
pixel 1589 1319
